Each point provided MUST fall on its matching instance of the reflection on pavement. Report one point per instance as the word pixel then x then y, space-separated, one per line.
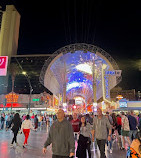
pixel 36 142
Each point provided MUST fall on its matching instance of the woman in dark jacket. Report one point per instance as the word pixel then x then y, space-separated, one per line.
pixel 16 124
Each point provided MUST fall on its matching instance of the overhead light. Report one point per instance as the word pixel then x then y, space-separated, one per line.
pixel 24 72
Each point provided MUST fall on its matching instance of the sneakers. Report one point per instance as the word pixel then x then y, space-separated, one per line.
pixel 111 151
pixel 17 144
pixel 11 145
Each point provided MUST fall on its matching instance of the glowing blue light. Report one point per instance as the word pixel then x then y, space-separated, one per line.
pixel 107 86
pixel 110 72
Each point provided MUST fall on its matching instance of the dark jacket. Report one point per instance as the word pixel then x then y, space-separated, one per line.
pixel 16 125
pixel 132 122
pixel 61 137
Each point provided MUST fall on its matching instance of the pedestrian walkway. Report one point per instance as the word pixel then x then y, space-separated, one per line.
pixel 34 149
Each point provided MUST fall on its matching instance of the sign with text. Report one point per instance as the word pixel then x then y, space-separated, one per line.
pixel 114 72
pixel 3 65
pixel 123 103
pixel 36 99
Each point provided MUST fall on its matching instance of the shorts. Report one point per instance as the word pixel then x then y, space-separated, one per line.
pixel 124 133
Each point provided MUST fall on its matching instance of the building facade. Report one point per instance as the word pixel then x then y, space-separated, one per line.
pixel 127 94
pixel 9 34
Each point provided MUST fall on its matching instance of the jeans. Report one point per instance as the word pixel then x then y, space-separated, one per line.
pixel 2 124
pixel 132 134
pixel 109 143
pixel 101 145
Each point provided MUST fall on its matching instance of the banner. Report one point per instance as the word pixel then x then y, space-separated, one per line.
pixel 3 65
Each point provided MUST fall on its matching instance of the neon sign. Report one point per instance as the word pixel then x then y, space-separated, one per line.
pixel 12 97
pixel 106 86
pixel 3 65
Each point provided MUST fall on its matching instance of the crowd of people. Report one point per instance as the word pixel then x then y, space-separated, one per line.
pixel 65 130
pixel 23 124
pixel 123 129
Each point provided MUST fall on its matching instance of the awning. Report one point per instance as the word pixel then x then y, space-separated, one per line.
pixel 128 109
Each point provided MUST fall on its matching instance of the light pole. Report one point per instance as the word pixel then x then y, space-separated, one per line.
pixel 31 89
pixel 94 86
pixel 30 86
pixel 64 88
pixel 29 104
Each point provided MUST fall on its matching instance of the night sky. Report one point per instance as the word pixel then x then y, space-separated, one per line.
pixel 114 26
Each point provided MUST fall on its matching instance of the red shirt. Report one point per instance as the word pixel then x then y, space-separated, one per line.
pixel 75 125
pixel 119 120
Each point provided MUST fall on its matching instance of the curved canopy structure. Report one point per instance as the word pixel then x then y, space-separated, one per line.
pixel 76 67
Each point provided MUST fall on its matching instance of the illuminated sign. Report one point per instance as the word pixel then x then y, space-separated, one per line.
pixel 12 97
pixel 36 99
pixel 107 86
pixel 123 103
pixel 119 97
pixel 55 100
pixel 114 72
pixel 3 65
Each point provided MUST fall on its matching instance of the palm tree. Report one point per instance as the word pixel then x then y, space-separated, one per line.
pixel 14 70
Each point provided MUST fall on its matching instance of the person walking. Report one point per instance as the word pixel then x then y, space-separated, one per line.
pixel 110 143
pixel 2 121
pixel 35 122
pixel 75 125
pixel 26 126
pixel 15 124
pixel 133 125
pixel 84 140
pixel 61 137
pixel 125 129
pixel 100 125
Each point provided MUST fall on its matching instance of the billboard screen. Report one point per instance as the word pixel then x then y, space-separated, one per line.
pixel 3 65
pixel 123 104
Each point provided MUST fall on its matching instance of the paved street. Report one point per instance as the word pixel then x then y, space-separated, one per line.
pixel 34 150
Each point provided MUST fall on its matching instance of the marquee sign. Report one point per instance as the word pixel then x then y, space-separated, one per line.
pixel 114 72
pixel 3 65
pixel 12 97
